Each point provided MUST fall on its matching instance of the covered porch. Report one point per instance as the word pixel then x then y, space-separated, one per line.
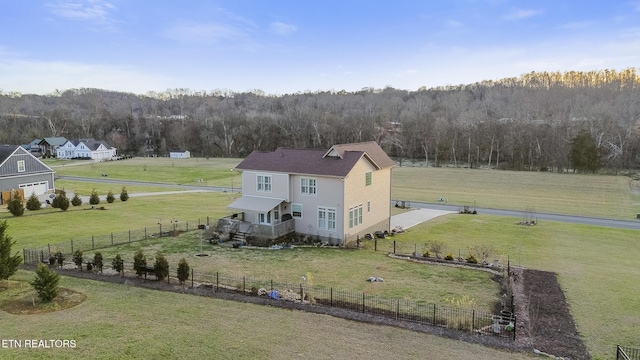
pixel 262 217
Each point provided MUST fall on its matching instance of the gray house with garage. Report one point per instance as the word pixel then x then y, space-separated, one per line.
pixel 21 170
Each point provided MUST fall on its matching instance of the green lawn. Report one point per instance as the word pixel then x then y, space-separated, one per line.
pixel 191 171
pixel 126 322
pixel 48 226
pixel 597 266
pixel 575 194
pixel 345 270
pixel 606 196
pixel 83 188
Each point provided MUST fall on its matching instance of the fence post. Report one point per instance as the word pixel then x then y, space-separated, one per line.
pixel 271 285
pixel 49 246
pixel 217 280
pixel 363 302
pixel 111 239
pixel 301 293
pixel 207 220
pixel 145 233
pixel 160 229
pixel 42 255
pixel 129 235
pixel 375 244
pixel 244 285
pixel 473 319
pixel 434 314
pixel 192 278
pixel 187 226
pixel 93 244
pixel 168 274
pixel 72 246
pixel 24 255
pixel 122 266
pixel 394 246
pixel 331 296
pixel 397 308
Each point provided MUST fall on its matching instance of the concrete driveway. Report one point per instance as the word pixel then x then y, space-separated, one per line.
pixel 415 217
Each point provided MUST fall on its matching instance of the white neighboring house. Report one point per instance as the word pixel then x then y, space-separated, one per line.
pixel 85 148
pixel 179 154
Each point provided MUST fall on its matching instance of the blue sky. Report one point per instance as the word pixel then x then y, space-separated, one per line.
pixel 286 46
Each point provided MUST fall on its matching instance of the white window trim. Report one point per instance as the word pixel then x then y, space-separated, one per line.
pixel 326 211
pixel 306 188
pixel 301 211
pixel 355 216
pixel 262 184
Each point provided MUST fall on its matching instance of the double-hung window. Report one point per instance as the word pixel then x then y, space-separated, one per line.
pixel 308 186
pixel 296 211
pixel 264 183
pixel 355 216
pixel 21 167
pixel 367 178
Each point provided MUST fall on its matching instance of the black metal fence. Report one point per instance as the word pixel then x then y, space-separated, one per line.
pixel 627 353
pixel 42 254
pixel 421 312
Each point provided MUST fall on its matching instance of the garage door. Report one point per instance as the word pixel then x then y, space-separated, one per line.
pixel 39 188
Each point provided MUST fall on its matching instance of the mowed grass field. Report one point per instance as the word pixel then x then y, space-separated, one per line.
pixel 597 267
pixel 127 322
pixel 190 171
pixel 615 197
pixel 329 267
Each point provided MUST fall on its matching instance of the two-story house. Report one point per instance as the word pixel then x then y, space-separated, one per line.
pixel 20 170
pixel 85 148
pixel 338 195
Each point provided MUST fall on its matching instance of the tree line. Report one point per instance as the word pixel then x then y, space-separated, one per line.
pixel 529 122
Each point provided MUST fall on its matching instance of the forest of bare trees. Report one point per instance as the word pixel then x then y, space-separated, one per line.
pixel 523 123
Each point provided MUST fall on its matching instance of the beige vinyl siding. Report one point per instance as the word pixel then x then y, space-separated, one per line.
pixel 374 198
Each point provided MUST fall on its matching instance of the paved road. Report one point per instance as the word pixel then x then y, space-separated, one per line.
pixel 622 224
pixel 120 182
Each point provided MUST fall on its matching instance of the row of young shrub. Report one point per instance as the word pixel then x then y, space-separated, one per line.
pixel 160 266
pixel 60 201
pixel 483 252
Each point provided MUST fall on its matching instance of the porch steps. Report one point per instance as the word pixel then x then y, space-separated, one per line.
pixel 240 236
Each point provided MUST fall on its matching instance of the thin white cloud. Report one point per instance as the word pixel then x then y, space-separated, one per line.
pixel 280 28
pixel 520 14
pixel 454 24
pixel 205 32
pixel 97 10
pixel 43 77
pixel 577 25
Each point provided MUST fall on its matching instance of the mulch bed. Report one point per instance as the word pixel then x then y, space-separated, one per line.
pixel 544 321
